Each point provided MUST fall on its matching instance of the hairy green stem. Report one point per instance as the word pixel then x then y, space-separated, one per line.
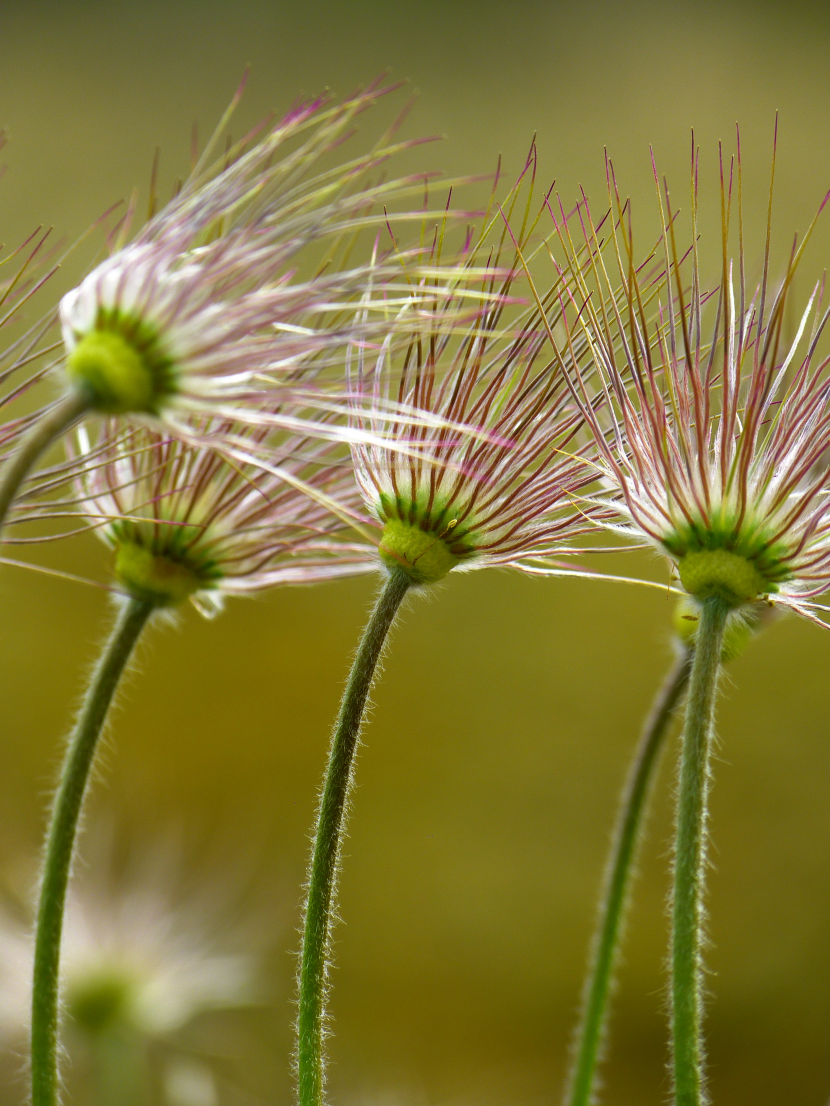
pixel 614 901
pixel 60 842
pixel 322 880
pixel 690 859
pixel 39 437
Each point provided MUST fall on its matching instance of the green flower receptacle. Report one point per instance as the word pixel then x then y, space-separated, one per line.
pixel 425 556
pixel 114 372
pixel 719 572
pixel 154 578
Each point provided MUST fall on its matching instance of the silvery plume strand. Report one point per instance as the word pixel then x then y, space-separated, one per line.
pixel 182 522
pixel 714 453
pixel 219 302
pixel 25 361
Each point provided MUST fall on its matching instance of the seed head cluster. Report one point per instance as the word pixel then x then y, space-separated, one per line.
pixel 477 423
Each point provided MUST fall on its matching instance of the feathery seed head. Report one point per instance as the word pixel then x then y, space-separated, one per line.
pixel 491 477
pixel 718 421
pixel 207 310
pixel 186 523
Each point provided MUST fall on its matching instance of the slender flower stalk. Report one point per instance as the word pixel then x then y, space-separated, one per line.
pixel 713 450
pixel 182 524
pixel 60 843
pixel 622 858
pixel 690 857
pixel 616 893
pixel 331 816
pixel 493 480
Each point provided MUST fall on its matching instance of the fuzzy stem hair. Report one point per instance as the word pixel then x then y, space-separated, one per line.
pixel 315 959
pixel 589 1038
pixel 60 841
pixel 690 859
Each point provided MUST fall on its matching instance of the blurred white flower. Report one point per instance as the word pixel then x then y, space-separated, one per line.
pixel 143 962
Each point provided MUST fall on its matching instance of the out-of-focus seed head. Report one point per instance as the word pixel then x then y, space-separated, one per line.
pixel 163 938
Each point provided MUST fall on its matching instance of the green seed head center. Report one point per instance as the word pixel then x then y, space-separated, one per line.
pixel 123 365
pixel 114 372
pixel 719 572
pixel 421 553
pixel 153 577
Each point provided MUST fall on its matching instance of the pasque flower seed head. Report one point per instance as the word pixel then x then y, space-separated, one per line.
pixel 185 523
pixel 716 432
pixel 223 303
pixel 494 478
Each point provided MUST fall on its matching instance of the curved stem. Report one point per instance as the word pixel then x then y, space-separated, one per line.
pixel 690 858
pixel 39 437
pixel 614 900
pixel 322 880
pixel 60 842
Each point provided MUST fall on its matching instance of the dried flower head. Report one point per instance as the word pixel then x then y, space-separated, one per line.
pixel 495 479
pixel 184 522
pixel 223 298
pixel 716 447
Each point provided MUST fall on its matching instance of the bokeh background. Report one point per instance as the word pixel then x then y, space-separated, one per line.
pixel 509 706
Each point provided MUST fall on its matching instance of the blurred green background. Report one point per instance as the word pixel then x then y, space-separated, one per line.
pixel 509 706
